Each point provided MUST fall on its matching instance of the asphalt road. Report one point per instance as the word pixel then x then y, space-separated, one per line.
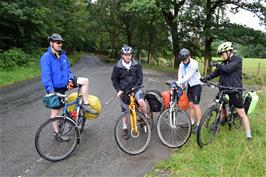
pixel 22 113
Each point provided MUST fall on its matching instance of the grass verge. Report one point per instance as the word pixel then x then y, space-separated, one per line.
pixel 229 155
pixel 27 72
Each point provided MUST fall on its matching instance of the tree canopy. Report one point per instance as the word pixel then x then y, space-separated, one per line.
pixel 155 28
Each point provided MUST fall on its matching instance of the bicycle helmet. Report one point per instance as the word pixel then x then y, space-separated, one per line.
pixel 183 54
pixel 126 50
pixel 55 37
pixel 226 46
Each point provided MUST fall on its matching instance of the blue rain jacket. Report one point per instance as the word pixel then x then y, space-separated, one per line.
pixel 55 72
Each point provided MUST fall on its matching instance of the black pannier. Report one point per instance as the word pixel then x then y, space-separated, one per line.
pixel 155 100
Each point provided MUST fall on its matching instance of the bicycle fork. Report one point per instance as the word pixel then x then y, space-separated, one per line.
pixel 172 117
pixel 133 124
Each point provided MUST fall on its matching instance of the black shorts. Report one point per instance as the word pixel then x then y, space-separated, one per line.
pixel 236 99
pixel 64 89
pixel 194 93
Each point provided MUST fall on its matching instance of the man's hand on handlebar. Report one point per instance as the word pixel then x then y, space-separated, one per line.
pixel 203 79
pixel 70 85
pixel 119 93
pixel 213 63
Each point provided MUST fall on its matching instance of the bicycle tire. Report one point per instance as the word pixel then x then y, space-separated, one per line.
pixel 177 136
pixel 207 129
pixel 49 147
pixel 133 145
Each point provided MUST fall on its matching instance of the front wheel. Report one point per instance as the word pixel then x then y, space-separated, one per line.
pixel 174 127
pixel 56 147
pixel 81 123
pixel 208 127
pixel 134 144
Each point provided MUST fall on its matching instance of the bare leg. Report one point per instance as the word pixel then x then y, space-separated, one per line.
pixel 198 112
pixel 84 82
pixel 192 113
pixel 54 113
pixel 245 122
pixel 143 106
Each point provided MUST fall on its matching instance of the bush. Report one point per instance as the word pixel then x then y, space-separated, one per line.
pixel 13 58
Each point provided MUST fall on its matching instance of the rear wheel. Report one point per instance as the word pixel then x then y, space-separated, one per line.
pixel 134 144
pixel 177 133
pixel 208 128
pixel 55 147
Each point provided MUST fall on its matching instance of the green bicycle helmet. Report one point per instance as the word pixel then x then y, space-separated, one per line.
pixel 226 46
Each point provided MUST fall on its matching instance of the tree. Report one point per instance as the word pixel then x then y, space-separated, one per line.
pixel 171 11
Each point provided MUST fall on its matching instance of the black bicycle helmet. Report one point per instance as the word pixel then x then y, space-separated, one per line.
pixel 55 37
pixel 183 54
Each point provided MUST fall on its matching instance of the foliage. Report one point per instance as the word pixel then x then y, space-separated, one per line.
pixel 13 58
pixel 156 29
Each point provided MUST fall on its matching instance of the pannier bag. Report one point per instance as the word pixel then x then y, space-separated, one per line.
pixel 52 101
pixel 251 100
pixel 154 99
pixel 93 101
pixel 181 104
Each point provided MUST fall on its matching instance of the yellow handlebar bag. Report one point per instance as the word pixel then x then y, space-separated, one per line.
pixel 93 101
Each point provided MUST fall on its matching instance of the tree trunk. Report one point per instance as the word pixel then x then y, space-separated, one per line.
pixel 151 36
pixel 175 40
pixel 207 56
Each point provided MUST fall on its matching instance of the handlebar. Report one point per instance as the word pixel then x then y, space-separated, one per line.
pixel 173 86
pixel 212 85
pixel 131 90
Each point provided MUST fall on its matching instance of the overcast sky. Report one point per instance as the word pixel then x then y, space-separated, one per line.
pixel 246 18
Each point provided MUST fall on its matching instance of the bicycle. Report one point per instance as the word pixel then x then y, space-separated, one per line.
pixel 173 125
pixel 211 120
pixel 138 126
pixel 70 124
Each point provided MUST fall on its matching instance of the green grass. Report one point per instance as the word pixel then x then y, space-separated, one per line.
pixel 229 155
pixel 27 72
pixel 251 74
pixel 19 74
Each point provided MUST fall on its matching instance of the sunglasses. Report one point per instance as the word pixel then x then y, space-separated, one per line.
pixel 59 42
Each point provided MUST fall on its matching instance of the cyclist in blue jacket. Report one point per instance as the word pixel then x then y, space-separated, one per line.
pixel 57 77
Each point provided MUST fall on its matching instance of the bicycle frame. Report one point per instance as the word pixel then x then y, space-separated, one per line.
pixel 77 104
pixel 133 117
pixel 173 102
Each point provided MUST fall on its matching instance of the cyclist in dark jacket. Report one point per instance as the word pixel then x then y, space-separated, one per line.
pixel 230 72
pixel 127 74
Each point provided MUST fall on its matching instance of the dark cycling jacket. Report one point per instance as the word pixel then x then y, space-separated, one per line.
pixel 124 79
pixel 55 71
pixel 230 72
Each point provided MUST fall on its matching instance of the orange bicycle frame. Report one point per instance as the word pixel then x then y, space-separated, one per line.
pixel 133 115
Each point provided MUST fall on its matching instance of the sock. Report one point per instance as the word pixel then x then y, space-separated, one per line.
pixel 248 134
pixel 124 126
pixel 192 121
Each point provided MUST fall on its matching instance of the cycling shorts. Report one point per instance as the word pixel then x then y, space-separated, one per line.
pixel 194 93
pixel 64 89
pixel 125 100
pixel 236 99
